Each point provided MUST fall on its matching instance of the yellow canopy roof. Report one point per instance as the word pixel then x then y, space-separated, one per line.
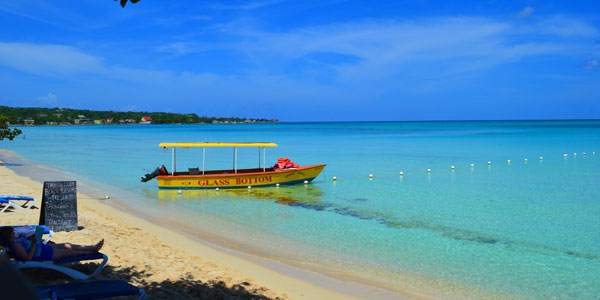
pixel 208 144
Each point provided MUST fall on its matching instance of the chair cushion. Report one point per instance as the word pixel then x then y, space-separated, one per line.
pixel 84 290
pixel 77 258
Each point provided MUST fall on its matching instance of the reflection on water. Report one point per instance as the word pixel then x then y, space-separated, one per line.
pixel 288 195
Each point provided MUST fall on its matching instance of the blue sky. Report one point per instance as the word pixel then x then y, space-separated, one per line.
pixel 306 60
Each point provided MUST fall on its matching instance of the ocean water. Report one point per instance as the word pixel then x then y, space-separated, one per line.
pixel 524 229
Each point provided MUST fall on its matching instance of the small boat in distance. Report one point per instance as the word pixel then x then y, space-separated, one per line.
pixel 283 173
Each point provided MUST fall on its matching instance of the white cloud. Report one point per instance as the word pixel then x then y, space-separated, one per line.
pixel 525 12
pixel 48 100
pixel 565 27
pixel 178 20
pixel 48 59
pixel 379 49
pixel 64 61
pixel 591 65
pixel 130 107
pixel 245 5
pixel 386 48
pixel 181 48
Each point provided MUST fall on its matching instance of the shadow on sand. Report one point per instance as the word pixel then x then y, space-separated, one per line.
pixel 184 288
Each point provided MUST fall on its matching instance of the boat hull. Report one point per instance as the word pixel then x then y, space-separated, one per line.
pixel 240 180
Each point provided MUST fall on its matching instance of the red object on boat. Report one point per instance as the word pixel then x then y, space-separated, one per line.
pixel 285 163
pixel 163 170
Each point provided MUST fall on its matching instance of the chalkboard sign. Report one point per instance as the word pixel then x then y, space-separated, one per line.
pixel 59 205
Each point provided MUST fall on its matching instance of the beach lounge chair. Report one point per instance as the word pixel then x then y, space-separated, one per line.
pixel 88 290
pixel 58 265
pixel 7 201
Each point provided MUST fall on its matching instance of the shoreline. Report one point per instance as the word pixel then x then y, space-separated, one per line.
pixel 274 278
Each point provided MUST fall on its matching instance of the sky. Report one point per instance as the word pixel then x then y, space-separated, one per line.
pixel 327 60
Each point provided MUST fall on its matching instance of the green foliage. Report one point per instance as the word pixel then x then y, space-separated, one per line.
pixel 6 132
pixel 66 116
pixel 123 2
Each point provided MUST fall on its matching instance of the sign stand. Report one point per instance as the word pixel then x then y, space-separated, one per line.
pixel 59 205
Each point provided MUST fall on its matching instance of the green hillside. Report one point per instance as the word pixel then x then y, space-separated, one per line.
pixel 67 116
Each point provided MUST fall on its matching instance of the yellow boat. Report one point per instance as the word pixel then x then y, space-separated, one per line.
pixel 235 178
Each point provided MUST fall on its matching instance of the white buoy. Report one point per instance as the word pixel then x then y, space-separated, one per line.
pixel 401 173
pixel 472 165
pixel 541 158
pixel 525 160
pixel 452 167
pixel 305 181
pixel 565 155
pixel 217 189
pixel 583 153
pixel 334 178
pixel 277 185
pixel 249 187
pixel 489 162
pixel 106 197
pixel 428 170
pixel 508 161
pixel 179 192
pixel 370 175
pixel 574 154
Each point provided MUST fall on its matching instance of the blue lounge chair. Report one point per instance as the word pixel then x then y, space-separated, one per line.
pixel 57 265
pixel 89 290
pixel 7 201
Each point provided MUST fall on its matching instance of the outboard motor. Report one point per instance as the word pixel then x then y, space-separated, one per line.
pixel 162 170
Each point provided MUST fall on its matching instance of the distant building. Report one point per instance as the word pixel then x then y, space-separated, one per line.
pixel 108 121
pixel 82 121
pixel 146 120
pixel 42 115
pixel 81 116
pixel 29 121
pixel 98 122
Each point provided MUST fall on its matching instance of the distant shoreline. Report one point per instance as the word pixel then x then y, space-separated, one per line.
pixel 132 124
pixel 35 116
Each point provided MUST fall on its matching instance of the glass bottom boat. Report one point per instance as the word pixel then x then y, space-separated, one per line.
pixel 284 173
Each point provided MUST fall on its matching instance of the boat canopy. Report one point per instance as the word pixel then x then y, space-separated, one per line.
pixel 209 144
pixel 203 145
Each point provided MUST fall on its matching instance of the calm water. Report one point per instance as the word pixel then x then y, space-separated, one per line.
pixel 522 229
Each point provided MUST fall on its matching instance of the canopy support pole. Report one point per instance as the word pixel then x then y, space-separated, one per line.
pixel 259 157
pixel 235 159
pixel 173 158
pixel 203 156
pixel 264 159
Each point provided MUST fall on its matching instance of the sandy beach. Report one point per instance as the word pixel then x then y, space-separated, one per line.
pixel 168 265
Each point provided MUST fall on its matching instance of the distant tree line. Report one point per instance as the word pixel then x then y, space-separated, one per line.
pixel 67 116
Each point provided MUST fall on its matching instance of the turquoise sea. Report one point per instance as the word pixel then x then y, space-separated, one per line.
pixel 524 229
